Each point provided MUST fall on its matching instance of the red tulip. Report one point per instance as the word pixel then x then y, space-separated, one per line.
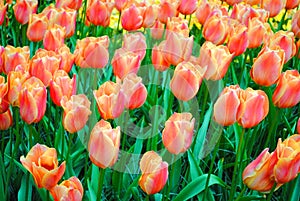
pixel 187 7
pixel 6 120
pixel 291 4
pixel 132 18
pixel 73 4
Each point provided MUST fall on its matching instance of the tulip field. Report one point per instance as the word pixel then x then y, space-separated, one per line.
pixel 150 100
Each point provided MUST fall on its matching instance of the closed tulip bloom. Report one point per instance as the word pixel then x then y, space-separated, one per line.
pixel 178 132
pixel 287 91
pixel 104 144
pixel 232 2
pixel 61 85
pixel 92 52
pixel 98 12
pixel 125 62
pixel 273 6
pixel 54 38
pixel 177 48
pixel 254 107
pixel 157 30
pixel 73 4
pixel 134 90
pixel 291 4
pixel 227 105
pixel 41 162
pixel 167 9
pixel 6 120
pixel 69 190
pixel 216 58
pixel 178 25
pixel 215 29
pixel 43 65
pixel 267 67
pixel 150 16
pixel 258 175
pixel 23 8
pixel 33 99
pixel 296 24
pixel 205 10
pixel 15 80
pixel 135 42
pixel 67 59
pixel 110 100
pixel 66 18
pixel 2 12
pixel 238 40
pixel 186 80
pixel 187 7
pixel 256 32
pixel 37 26
pixel 14 56
pixel 4 104
pixel 76 112
pixel 2 51
pixel 158 61
pixel 121 4
pixel 132 18
pixel 288 164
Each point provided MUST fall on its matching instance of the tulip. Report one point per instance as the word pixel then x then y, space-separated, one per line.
pixel 257 32
pixel 41 162
pixel 298 49
pixel 287 91
pixel 291 4
pixel 23 8
pixel 92 52
pixel 216 58
pixel 288 164
pixel 167 9
pixel 2 12
pixel 178 25
pixel 157 30
pixel 298 126
pixel 273 6
pixel 73 4
pixel 187 7
pixel 2 51
pixel 267 66
pixel 43 65
pixel 186 80
pixel 132 18
pixel 61 85
pixel 150 16
pixel 134 90
pixel 135 42
pixel 215 29
pixel 252 2
pixel 177 48
pixel 33 98
pixel 154 173
pixel 76 112
pixel 3 88
pixel 70 189
pixel 158 61
pixel 110 100
pixel 258 174
pixel 205 10
pixel 232 2
pixel 37 27
pixel 178 132
pixel 125 62
pixel 66 58
pixel 254 107
pixel 238 40
pixel 227 105
pixel 296 24
pixel 14 56
pixel 121 4
pixel 6 120
pixel 98 12
pixel 104 144
pixel 66 18
pixel 15 80
pixel 54 38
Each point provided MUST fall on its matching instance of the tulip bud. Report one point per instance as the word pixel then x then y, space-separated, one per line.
pixel 37 27
pixel 6 120
pixel 42 163
pixel 187 7
pixel 54 38
pixel 66 18
pixel 98 13
pixel 23 8
pixel 66 58
pixel 291 4
pixel 2 12
pixel 73 4
pixel 150 16
pixel 104 144
pixel 132 18
pixel 296 24
pixel 215 29
pixel 158 61
pixel 14 56
pixel 256 32
pixel 167 9
pixel 238 40
pixel 273 6
pixel 154 173
pixel 135 42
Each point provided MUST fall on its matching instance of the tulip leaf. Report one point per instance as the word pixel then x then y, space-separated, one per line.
pixel 251 197
pixel 25 189
pixel 197 186
pixel 92 194
pixel 195 170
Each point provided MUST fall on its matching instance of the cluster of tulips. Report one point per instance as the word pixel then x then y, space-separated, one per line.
pixel 29 76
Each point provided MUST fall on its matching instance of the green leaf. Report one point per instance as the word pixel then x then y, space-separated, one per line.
pixel 197 186
pixel 25 186
pixel 195 170
pixel 251 198
pixel 92 193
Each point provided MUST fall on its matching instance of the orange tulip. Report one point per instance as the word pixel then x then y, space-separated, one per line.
pixel 291 4
pixel 150 16
pixel 157 30
pixel 186 80
pixel 227 105
pixel 238 40
pixel 287 91
pixel 73 4
pixel 178 132
pixel 288 164
pixel 110 100
pixel 43 65
pixel 23 8
pixel 252 2
pixel 135 42
pixel 258 175
pixel 216 58
pixel 104 144
pixel 273 6
pixel 187 7
pixel 178 25
pixel 98 12
pixel 69 190
pixel 15 80
pixel 298 126
pixel 66 18
pixel 2 51
pixel 257 31
pixel 177 48
pixel 61 85
pixel 158 61
pixel 154 173
pixel 76 112
pixel 215 29
pixel 6 120
pixel 232 2
pixel 296 24
pixel 267 66
pixel 134 90
pixel 254 107
pixel 54 38
pixel 37 26
pixel 42 163
pixel 167 9
pixel 121 4
pixel 92 52
pixel 2 12
pixel 4 104
pixel 14 56
pixel 132 18
pixel 298 49
pixel 66 58
pixel 125 62
pixel 207 9
pixel 33 98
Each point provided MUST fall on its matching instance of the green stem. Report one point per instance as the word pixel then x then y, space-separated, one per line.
pixel 167 195
pixel 271 192
pixel 119 21
pixel 238 154
pixel 100 183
